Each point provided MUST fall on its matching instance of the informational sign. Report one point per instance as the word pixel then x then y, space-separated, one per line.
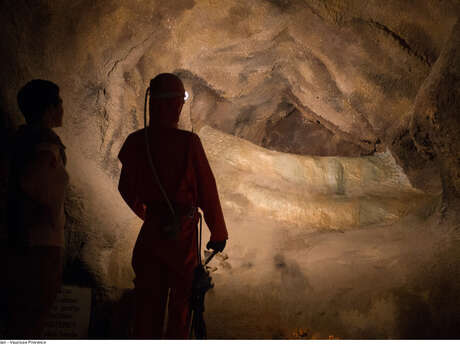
pixel 69 318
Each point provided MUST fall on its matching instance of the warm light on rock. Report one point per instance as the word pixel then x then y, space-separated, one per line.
pixel 332 130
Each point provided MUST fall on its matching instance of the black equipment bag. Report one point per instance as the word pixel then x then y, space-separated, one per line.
pixel 201 284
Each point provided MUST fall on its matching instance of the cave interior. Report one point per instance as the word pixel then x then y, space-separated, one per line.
pixel 332 130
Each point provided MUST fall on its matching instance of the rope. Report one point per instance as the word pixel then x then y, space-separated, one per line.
pixel 198 325
pixel 149 156
pixel 198 247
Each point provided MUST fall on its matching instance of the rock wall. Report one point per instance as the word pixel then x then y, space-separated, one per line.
pixel 436 116
pixel 332 130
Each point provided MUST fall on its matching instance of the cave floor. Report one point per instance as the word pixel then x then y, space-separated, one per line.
pixel 371 282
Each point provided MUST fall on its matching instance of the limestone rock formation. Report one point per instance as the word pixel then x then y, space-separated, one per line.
pixel 332 130
pixel 436 118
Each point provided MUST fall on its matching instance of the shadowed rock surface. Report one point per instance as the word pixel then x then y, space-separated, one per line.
pixel 332 130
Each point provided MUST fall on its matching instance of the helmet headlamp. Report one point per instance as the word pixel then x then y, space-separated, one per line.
pixel 170 95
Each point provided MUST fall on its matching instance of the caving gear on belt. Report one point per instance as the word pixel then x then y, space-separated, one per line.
pixel 201 284
pixel 170 224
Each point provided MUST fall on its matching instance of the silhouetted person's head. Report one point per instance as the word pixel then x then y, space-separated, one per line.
pixel 167 96
pixel 41 104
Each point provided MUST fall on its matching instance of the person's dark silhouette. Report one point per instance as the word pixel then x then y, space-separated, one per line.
pixel 162 263
pixel 35 210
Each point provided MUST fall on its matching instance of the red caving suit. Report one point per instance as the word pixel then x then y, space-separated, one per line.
pixel 160 263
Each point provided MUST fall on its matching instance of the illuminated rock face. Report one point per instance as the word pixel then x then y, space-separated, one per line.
pixel 326 123
pixel 309 192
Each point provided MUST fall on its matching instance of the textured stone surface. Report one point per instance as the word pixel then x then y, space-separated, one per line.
pixel 436 119
pixel 309 192
pixel 315 241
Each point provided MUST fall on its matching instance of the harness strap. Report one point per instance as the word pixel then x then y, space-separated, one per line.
pixel 149 157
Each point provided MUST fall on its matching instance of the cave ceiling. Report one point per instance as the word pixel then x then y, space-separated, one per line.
pixel 307 77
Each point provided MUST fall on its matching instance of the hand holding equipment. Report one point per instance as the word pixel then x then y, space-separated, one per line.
pixel 217 246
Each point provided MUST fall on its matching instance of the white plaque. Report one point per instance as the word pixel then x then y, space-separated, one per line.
pixel 69 317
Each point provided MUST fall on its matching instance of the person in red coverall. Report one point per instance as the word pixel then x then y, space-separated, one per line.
pixel 164 265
